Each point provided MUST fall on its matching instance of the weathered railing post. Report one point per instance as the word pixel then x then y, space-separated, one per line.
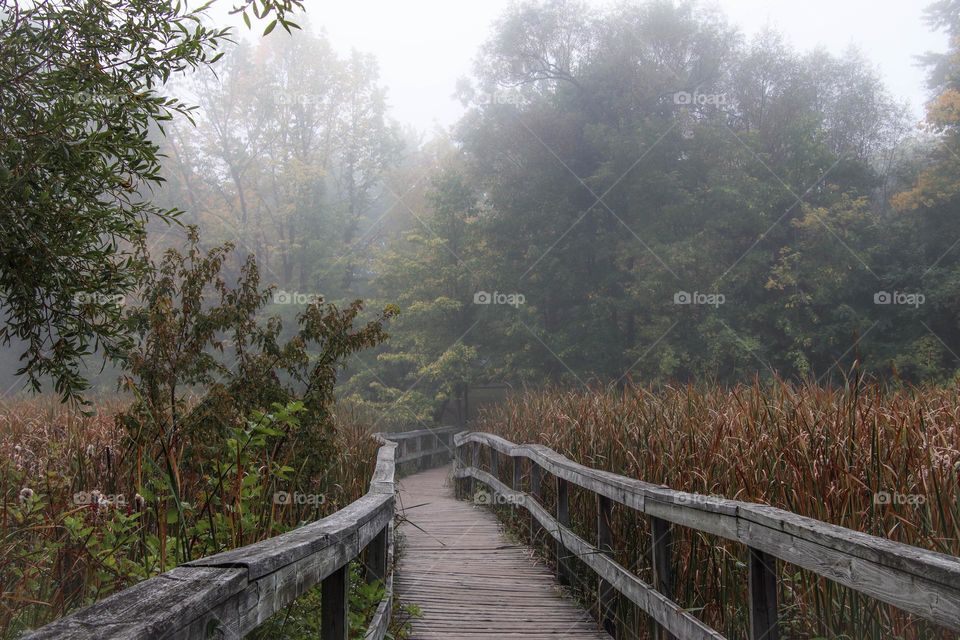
pixel 535 492
pixel 475 463
pixel 564 570
pixel 335 605
pixel 661 541
pixel 462 484
pixel 516 481
pixel 376 561
pixel 763 596
pixel 494 463
pixel 606 596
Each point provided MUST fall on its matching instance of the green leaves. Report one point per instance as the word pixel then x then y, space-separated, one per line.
pixel 81 90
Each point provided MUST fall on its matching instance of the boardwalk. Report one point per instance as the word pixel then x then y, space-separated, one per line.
pixel 472 583
pixel 468 579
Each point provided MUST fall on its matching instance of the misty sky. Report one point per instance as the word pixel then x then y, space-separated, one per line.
pixel 423 46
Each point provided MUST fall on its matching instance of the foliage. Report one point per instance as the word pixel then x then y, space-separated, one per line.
pixel 81 94
pixel 224 418
pixel 867 456
pixel 618 167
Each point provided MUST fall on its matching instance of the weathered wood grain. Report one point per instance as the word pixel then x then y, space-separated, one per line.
pixel 666 612
pixel 921 582
pixel 468 579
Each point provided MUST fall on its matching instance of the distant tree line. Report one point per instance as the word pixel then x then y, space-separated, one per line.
pixel 638 192
pixel 644 193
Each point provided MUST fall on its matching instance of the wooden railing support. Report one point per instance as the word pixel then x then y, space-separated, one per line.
pixel 763 596
pixel 376 561
pixel 922 582
pixel 475 463
pixel 536 491
pixel 606 596
pixel 564 569
pixel 335 605
pixel 661 541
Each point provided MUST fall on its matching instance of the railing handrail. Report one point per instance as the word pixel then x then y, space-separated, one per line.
pixel 229 594
pixel 922 582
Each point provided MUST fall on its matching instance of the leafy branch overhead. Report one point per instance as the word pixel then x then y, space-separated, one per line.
pixel 82 95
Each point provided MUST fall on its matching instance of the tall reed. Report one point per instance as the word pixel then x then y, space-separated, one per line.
pixel 881 460
pixel 57 553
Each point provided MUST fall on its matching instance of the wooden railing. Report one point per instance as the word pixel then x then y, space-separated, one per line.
pixel 229 594
pixel 921 582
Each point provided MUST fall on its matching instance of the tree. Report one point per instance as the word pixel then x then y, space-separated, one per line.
pixel 292 147
pixel 81 89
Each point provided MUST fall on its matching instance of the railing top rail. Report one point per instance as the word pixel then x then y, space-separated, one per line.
pixel 237 590
pixel 917 580
pixel 406 435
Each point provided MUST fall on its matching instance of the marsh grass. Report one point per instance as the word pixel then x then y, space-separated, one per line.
pixel 56 555
pixel 827 453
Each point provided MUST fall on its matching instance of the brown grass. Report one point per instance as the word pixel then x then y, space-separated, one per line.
pixel 821 452
pixel 58 555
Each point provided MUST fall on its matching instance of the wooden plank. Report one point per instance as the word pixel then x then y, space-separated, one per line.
pixel 536 493
pixel 469 580
pixel 764 619
pixel 380 623
pixel 606 597
pixel 661 545
pixel 335 605
pixel 376 556
pixel 153 608
pixel 564 570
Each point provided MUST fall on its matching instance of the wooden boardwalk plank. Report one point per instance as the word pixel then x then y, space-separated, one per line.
pixel 471 582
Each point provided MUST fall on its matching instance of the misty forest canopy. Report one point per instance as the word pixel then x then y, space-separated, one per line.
pixel 652 195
